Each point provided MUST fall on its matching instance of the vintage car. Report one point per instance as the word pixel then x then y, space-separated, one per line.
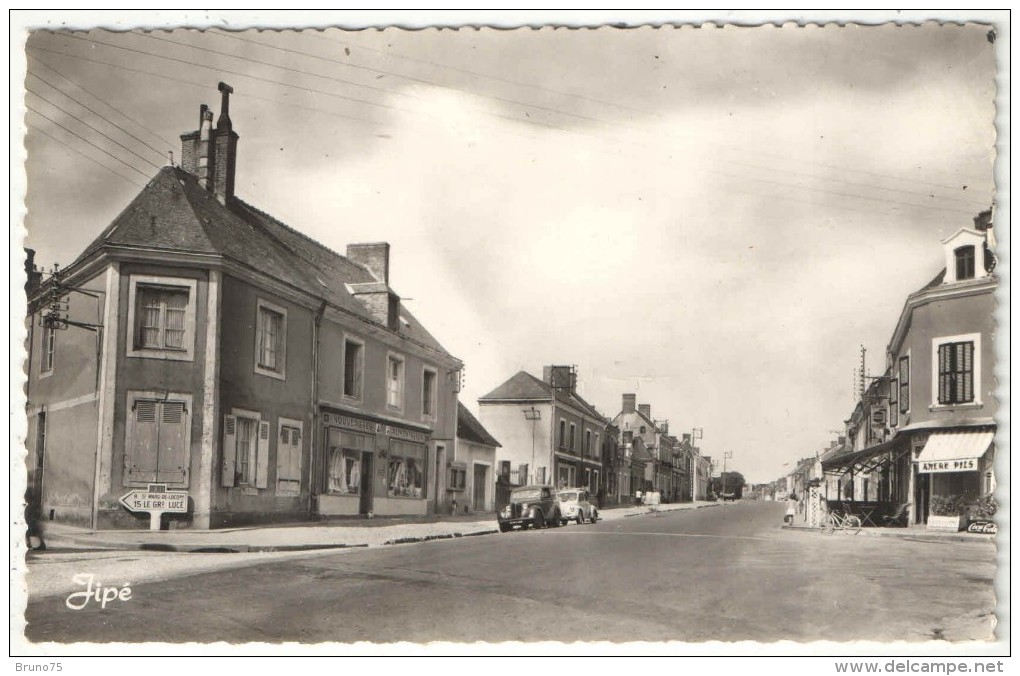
pixel 575 505
pixel 534 506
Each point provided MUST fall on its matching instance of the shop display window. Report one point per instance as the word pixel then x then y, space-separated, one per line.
pixel 405 476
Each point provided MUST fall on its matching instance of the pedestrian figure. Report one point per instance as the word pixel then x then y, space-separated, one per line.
pixel 791 508
pixel 33 531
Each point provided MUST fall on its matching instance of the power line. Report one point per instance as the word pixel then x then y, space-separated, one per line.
pixel 562 112
pixel 612 140
pixel 44 115
pixel 95 96
pixel 96 113
pixel 90 159
pixel 621 106
pixel 75 117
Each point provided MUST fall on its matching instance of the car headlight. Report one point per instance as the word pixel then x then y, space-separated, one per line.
pixel 506 512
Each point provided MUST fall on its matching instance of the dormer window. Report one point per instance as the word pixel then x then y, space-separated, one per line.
pixel 964 256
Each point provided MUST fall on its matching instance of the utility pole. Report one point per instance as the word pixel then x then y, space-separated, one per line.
pixel 534 415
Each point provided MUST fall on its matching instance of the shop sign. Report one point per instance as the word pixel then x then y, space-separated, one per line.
pixel 350 423
pixel 938 466
pixel 988 527
pixel 156 500
pixel 410 435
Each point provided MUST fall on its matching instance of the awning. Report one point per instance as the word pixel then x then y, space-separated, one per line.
pixel 865 460
pixel 957 451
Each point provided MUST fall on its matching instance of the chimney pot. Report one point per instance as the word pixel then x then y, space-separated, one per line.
pixel 375 257
pixel 629 403
pixel 645 410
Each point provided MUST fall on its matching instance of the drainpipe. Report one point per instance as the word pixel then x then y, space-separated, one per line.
pixel 315 408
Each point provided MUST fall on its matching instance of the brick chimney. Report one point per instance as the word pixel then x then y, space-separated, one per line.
pixel 629 403
pixel 33 277
pixel 211 152
pixel 560 377
pixel 645 410
pixel 377 297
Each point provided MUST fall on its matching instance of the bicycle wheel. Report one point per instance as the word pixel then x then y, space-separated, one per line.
pixel 828 524
pixel 852 524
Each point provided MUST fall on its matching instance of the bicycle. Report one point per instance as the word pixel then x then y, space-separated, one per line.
pixel 845 522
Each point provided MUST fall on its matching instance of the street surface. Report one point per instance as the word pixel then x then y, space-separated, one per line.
pixel 724 573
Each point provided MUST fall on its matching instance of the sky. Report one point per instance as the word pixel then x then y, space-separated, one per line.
pixel 713 218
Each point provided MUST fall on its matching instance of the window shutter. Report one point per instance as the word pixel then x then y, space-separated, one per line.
pixel 968 372
pixel 294 470
pixel 229 450
pixel 143 447
pixel 262 464
pixel 173 434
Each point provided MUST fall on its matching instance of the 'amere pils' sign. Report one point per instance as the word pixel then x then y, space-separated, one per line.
pixel 157 501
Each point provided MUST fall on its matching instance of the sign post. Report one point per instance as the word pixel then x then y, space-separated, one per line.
pixel 156 500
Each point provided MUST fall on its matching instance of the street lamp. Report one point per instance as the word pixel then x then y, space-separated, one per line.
pixel 534 415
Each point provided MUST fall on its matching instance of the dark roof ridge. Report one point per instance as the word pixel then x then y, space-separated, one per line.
pixel 297 232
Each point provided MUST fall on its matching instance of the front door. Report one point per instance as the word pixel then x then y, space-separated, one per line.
pixel 365 506
pixel 481 474
pixel 921 496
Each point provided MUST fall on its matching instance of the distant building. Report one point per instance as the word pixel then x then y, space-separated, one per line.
pixel 550 434
pixel 471 483
pixel 202 345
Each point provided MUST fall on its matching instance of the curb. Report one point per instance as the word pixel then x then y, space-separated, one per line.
pixel 916 537
pixel 443 536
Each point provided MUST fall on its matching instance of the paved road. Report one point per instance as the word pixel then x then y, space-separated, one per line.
pixel 721 573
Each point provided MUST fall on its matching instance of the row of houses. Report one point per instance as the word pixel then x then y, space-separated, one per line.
pixel 200 345
pixel 923 429
pixel 551 435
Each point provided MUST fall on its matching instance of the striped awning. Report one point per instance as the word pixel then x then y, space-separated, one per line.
pixel 957 451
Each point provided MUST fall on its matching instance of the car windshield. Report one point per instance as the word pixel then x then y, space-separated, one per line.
pixel 527 494
pixel 567 497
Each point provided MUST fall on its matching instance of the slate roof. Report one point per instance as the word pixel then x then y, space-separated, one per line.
pixel 469 429
pixel 523 386
pixel 173 213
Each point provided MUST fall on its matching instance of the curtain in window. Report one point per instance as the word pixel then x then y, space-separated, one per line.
pixel 152 311
pixel 246 450
pixel 269 337
pixel 176 307
pixel 162 315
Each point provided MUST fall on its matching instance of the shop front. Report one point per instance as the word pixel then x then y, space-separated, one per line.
pixel 953 469
pixel 372 467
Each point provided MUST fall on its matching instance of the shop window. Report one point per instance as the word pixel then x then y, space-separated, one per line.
pixel 344 451
pixel 161 314
pixel 271 340
pixel 245 450
pixel 158 439
pixel 956 373
pixel 395 382
pixel 428 393
pixel 458 478
pixel 904 384
pixel 964 256
pixel 405 470
pixel 288 457
pixel 353 367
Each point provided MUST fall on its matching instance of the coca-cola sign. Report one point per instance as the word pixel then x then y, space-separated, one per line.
pixel 987 527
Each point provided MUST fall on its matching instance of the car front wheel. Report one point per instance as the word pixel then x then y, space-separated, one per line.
pixel 539 521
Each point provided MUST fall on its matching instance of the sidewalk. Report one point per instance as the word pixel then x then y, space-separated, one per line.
pixel 306 536
pixel 909 533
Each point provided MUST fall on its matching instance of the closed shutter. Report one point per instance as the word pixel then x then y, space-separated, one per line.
pixel 288 460
pixel 965 364
pixel 229 450
pixel 262 461
pixel 173 463
pixel 143 445
pixel 945 374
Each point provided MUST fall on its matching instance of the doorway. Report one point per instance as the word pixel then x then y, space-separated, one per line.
pixel 480 482
pixel 921 493
pixel 365 504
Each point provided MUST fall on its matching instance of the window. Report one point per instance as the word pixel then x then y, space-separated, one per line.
pixel 964 262
pixel 587 442
pixel 158 439
pixel 395 382
pixel 904 384
pixel 344 451
pixel 245 450
pixel 271 340
pixel 428 393
pixel 956 373
pixel 353 368
pixel 563 433
pixel 458 478
pixel 288 457
pixel 49 336
pixel 405 476
pixel 894 410
pixel 597 448
pixel 573 440
pixel 161 314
